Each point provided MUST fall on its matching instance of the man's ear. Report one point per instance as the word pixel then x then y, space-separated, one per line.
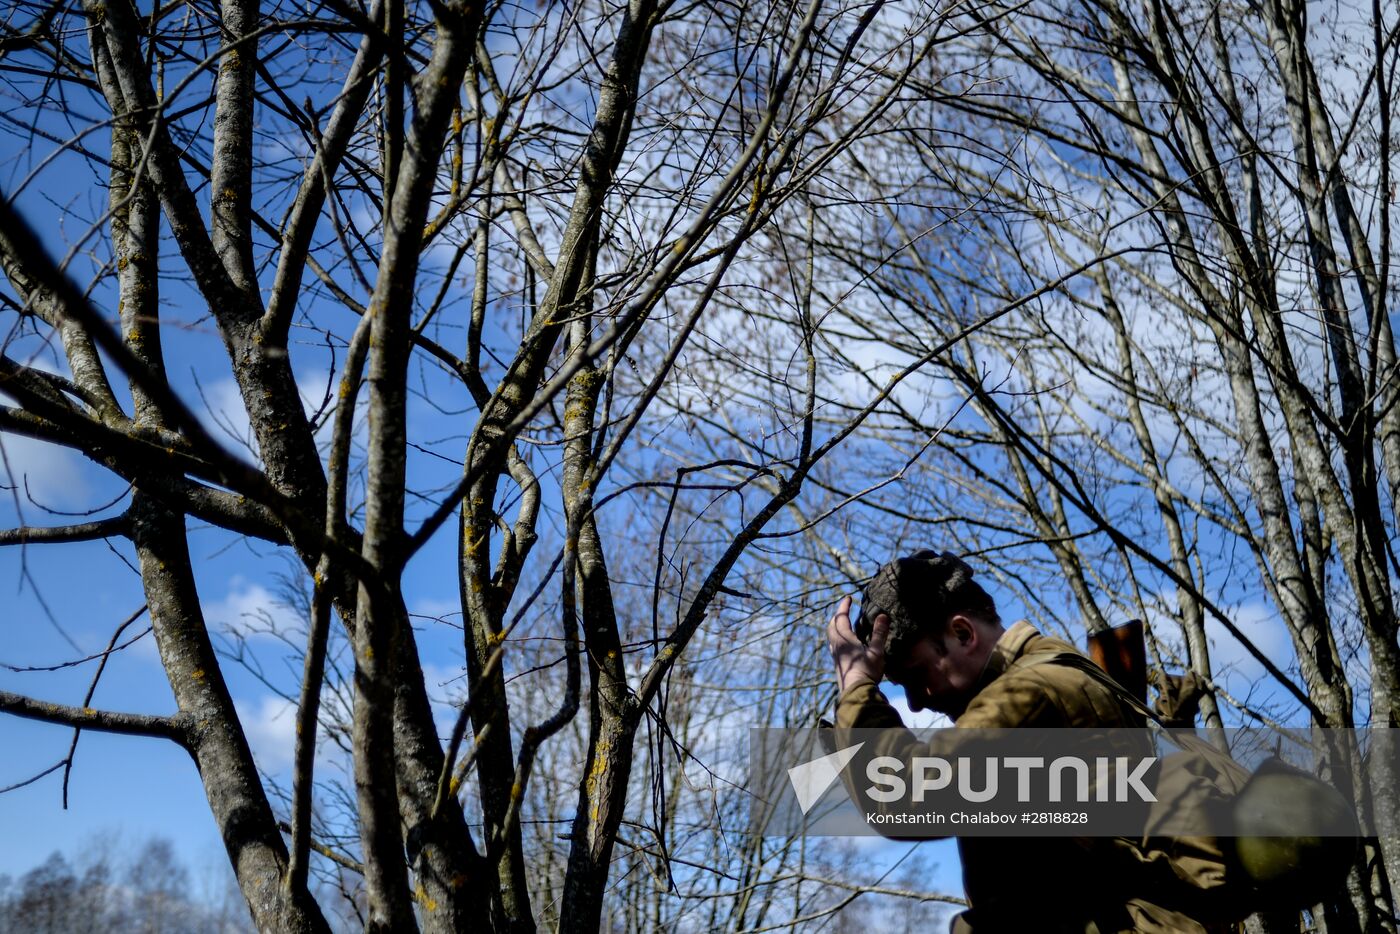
pixel 961 630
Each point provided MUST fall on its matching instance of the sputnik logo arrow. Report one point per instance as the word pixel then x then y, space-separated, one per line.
pixel 810 780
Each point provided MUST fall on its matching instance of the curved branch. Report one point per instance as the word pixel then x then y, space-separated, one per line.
pixel 175 727
pixel 117 526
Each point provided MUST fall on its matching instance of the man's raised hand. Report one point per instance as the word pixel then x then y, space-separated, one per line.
pixel 855 661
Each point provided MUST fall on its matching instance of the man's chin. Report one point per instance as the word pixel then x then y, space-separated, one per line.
pixel 952 709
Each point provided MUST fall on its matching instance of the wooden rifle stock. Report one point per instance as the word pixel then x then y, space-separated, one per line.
pixel 1122 652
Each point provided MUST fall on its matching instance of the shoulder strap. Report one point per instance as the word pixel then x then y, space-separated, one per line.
pixel 1080 663
pixel 1185 739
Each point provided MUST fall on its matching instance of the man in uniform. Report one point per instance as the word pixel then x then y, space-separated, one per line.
pixel 928 627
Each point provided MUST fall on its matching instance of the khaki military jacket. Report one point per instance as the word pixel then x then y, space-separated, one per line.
pixel 1010 692
pixel 1031 884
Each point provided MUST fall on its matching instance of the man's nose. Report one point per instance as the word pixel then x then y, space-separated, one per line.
pixel 914 699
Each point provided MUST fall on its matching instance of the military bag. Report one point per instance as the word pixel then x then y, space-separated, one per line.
pixel 1287 839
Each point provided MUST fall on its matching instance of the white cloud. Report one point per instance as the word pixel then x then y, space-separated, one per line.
pixel 250 609
pixel 270 724
pixel 145 648
pixel 52 474
pixel 226 417
pixel 314 386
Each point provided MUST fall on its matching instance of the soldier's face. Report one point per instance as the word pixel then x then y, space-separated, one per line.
pixel 942 677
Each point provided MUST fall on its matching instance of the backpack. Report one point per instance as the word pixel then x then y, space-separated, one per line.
pixel 1273 859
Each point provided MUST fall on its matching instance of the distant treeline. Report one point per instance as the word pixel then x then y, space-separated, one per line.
pixel 106 889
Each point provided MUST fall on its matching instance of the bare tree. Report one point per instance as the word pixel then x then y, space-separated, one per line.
pixel 571 234
pixel 148 891
pixel 1201 413
pixel 654 324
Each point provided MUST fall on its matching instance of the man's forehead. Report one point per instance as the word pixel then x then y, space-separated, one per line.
pixel 898 668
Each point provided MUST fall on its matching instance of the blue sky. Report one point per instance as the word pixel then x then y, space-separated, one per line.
pixel 144 787
pixel 141 786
